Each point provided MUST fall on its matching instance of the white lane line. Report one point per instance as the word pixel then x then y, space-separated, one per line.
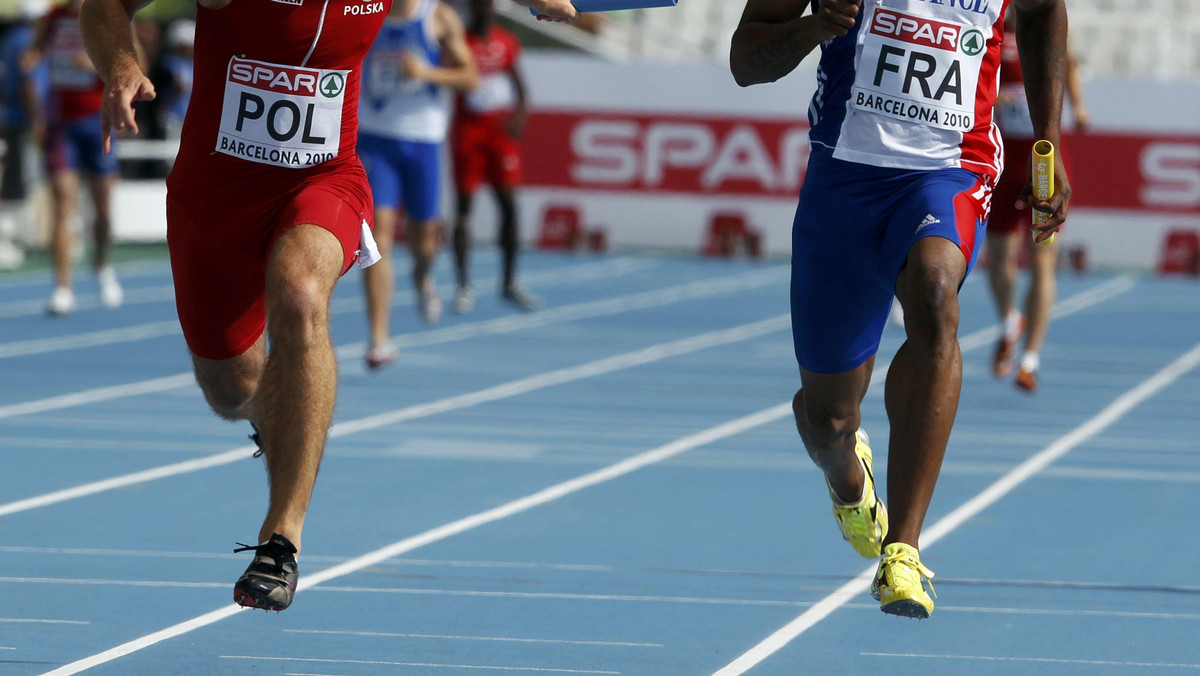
pixel 413 591
pixel 495 393
pixel 25 348
pixel 128 334
pixel 642 300
pixel 42 277
pixel 31 620
pixel 97 395
pixel 569 596
pixel 157 294
pixel 34 307
pixel 482 667
pixel 1041 660
pixel 453 637
pixel 993 493
pixel 1059 612
pixel 506 510
pixel 566 313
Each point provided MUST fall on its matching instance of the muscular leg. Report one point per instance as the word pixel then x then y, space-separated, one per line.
pixel 64 187
pixel 1039 302
pixel 380 279
pixel 923 383
pixel 509 242
pixel 826 409
pixel 462 239
pixel 294 403
pixel 1002 270
pixel 100 188
pixel 229 385
pixel 424 240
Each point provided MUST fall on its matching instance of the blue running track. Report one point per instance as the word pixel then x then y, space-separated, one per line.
pixel 612 485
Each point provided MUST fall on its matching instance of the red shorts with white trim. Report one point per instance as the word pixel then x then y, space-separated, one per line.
pixel 220 234
pixel 484 150
pixel 1006 218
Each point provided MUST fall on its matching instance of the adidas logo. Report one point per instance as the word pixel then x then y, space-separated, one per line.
pixel 928 221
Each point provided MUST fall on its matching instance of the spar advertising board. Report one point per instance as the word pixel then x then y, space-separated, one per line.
pixel 650 151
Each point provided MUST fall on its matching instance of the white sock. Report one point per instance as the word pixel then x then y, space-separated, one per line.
pixel 1012 324
pixel 1031 361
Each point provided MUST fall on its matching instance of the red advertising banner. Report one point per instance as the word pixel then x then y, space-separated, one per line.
pixel 766 157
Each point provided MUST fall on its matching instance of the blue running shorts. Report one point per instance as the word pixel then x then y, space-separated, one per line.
pixel 78 145
pixel 854 227
pixel 403 174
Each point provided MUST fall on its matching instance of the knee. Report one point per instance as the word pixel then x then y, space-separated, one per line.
pixel 298 308
pixel 228 397
pixel 931 306
pixel 824 424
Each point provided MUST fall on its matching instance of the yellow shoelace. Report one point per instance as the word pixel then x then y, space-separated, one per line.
pixel 911 564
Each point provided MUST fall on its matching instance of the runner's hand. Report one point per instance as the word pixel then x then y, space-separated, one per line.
pixel 553 10
pixel 1057 204
pixel 126 84
pixel 413 68
pixel 835 18
pixel 516 124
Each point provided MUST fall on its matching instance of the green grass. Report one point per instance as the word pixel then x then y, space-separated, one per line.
pixel 122 253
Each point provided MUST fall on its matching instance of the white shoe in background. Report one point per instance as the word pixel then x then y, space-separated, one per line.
pixel 464 300
pixel 62 301
pixel 111 293
pixel 429 304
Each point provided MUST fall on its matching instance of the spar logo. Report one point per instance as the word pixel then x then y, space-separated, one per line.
pixel 972 42
pixel 273 78
pixel 918 30
pixel 332 85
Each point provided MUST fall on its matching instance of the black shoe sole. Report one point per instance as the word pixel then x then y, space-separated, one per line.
pixel 247 600
pixel 906 609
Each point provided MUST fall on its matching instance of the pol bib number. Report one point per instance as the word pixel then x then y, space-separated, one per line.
pixel 919 69
pixel 286 116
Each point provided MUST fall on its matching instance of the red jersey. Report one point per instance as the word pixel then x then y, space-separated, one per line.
pixel 495 55
pixel 76 91
pixel 1012 107
pixel 276 86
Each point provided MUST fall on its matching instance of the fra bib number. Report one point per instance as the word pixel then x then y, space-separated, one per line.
pixel 919 69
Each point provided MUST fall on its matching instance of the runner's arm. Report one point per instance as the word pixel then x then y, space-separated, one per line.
pixel 459 71
pixel 1075 92
pixel 31 60
pixel 552 10
pixel 33 56
pixel 774 36
pixel 1042 43
pixel 108 35
pixel 521 110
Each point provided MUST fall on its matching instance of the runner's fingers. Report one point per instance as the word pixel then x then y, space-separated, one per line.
pixel 838 19
pixel 1042 235
pixel 145 91
pixel 120 103
pixel 106 129
pixel 845 8
pixel 1026 195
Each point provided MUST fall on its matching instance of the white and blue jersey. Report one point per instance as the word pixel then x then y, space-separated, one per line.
pixel 903 148
pixel 392 106
pixel 912 86
pixel 402 123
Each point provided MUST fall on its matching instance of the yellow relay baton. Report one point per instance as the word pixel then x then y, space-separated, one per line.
pixel 1043 183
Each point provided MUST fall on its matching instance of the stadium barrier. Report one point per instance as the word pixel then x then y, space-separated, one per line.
pixel 655 150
